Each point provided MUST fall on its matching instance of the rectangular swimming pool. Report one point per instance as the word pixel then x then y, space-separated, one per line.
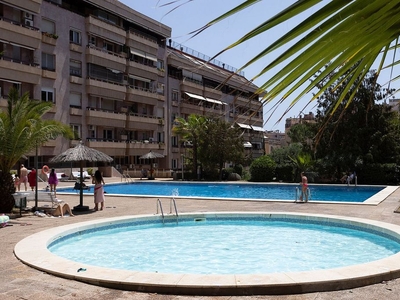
pixel 247 191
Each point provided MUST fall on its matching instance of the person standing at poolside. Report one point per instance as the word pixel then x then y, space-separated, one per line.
pixel 32 179
pixel 304 188
pixel 23 177
pixel 53 181
pixel 98 190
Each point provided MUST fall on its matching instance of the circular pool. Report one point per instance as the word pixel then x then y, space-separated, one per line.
pixel 162 261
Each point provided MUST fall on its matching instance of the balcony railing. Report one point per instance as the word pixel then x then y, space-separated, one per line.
pixel 19 61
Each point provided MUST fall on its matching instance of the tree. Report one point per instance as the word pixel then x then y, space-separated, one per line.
pixel 368 132
pixel 344 38
pixel 219 143
pixel 262 169
pixel 22 129
pixel 190 130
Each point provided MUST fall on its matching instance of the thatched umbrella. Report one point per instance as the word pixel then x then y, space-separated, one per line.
pixel 80 153
pixel 151 155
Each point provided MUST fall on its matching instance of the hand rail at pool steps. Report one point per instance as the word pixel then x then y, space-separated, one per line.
pixel 170 208
pixel 127 177
pixel 162 212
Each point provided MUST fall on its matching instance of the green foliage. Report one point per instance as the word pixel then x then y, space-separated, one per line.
pixel 284 173
pixel 360 133
pixel 262 169
pixel 378 174
pixel 220 143
pixel 22 129
pixel 191 130
pixel 238 169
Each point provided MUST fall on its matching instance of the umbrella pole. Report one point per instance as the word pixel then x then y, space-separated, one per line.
pixel 81 207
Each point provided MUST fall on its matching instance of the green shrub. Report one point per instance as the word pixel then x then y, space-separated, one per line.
pixel 378 174
pixel 238 169
pixel 262 169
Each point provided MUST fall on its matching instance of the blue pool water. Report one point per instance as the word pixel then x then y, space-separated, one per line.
pixel 241 245
pixel 240 191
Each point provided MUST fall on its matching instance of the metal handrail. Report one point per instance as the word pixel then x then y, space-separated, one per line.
pixel 170 208
pixel 162 212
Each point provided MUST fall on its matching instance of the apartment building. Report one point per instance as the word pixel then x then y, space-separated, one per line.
pixel 115 78
pixel 200 86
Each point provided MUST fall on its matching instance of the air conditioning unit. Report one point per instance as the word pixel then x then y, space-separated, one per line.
pixel 29 23
pixel 28 16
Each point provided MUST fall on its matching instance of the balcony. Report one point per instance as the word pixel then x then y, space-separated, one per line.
pixel 105 89
pixel 29 5
pixel 75 47
pixel 106 30
pixel 101 117
pixel 188 108
pixel 142 42
pixel 143 95
pixel 142 122
pixel 195 87
pixel 141 70
pixel 20 71
pixel 49 38
pixel 110 147
pixel 19 34
pixel 212 93
pixel 140 147
pixel 108 59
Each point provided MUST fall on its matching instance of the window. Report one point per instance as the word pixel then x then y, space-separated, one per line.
pixel 75 68
pixel 48 95
pixel 76 129
pixel 48 62
pixel 75 100
pixel 92 40
pixel 48 26
pixel 160 64
pixel 92 132
pixel 75 37
pixel 160 88
pixel 174 141
pixel 174 164
pixel 108 135
pixel 108 47
pixel 174 95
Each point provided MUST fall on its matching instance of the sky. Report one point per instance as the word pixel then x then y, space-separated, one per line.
pixel 193 14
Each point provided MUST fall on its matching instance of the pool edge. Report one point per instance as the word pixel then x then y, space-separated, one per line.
pixel 197 284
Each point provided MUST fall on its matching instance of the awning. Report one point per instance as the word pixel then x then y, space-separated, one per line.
pixel 247 145
pixel 244 126
pixel 139 78
pixel 143 54
pixel 257 128
pixel 216 101
pixel 196 96
pixel 114 71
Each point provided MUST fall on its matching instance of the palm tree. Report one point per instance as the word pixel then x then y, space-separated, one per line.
pixel 342 38
pixel 189 131
pixel 22 129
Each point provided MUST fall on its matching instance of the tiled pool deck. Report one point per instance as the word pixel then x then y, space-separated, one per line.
pixel 18 281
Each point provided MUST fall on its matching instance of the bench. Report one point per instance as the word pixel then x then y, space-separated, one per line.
pixel 21 198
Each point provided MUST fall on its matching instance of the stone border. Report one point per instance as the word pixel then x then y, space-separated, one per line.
pixel 33 252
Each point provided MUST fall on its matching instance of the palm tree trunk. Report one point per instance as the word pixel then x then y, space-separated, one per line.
pixel 7 188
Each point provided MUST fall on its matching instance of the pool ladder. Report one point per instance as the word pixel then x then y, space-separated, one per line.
pixel 298 192
pixel 172 201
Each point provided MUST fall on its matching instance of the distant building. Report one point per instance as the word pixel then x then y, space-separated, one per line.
pixel 273 140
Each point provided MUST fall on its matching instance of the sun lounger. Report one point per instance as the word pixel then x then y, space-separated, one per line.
pixel 21 198
pixel 77 175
